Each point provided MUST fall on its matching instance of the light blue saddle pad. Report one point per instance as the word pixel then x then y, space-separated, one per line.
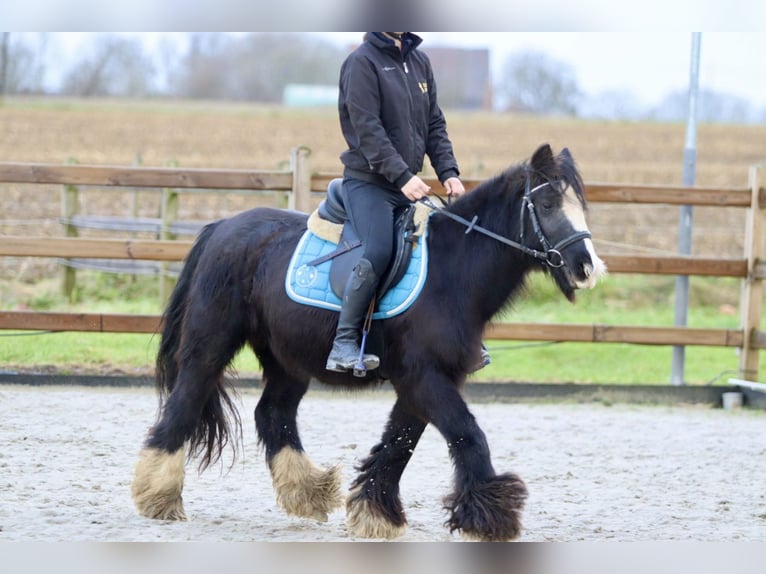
pixel 310 284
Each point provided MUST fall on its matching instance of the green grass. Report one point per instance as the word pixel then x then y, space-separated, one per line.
pixel 619 300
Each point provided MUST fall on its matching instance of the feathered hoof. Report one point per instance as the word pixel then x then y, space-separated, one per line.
pixel 302 488
pixel 157 484
pixel 489 511
pixel 367 520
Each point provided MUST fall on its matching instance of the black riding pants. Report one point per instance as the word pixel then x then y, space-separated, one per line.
pixel 371 209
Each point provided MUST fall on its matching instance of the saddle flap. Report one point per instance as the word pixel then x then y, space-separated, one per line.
pixel 342 264
pixel 404 239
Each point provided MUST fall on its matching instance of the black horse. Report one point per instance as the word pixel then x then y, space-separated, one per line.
pixel 231 293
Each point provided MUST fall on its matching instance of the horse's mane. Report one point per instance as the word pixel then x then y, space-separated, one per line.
pixel 504 190
pixel 553 169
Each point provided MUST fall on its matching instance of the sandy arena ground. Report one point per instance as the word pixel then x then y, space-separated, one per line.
pixel 594 472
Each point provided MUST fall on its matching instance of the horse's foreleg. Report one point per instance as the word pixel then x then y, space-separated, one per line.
pixel 302 488
pixel 373 508
pixel 484 505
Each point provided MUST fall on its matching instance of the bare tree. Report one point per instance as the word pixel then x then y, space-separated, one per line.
pixel 266 63
pixel 22 63
pixel 205 73
pixel 618 104
pixel 536 83
pixel 714 107
pixel 117 67
pixel 256 66
pixel 4 41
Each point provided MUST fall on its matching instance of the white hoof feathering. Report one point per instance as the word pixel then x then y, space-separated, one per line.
pixel 157 484
pixel 304 489
pixel 363 522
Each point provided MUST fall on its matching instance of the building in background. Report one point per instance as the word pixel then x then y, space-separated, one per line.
pixel 462 78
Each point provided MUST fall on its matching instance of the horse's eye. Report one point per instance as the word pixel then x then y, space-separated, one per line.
pixel 547 205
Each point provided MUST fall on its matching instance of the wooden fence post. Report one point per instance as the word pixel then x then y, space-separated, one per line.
pixel 168 215
pixel 752 285
pixel 300 165
pixel 138 160
pixel 283 199
pixel 70 207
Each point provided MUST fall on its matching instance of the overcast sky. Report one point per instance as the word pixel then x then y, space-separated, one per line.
pixel 639 47
pixel 648 64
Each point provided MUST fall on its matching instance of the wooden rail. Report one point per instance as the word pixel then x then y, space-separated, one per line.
pixel 219 179
pixel 156 250
pixel 110 323
pixel 120 176
pixel 617 334
pixel 300 183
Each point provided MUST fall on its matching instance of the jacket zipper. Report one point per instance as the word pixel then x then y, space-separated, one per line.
pixel 412 106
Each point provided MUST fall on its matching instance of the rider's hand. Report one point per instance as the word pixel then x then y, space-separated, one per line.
pixel 415 188
pixel 454 187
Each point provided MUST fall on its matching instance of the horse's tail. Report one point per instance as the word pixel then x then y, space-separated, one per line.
pixel 172 318
pixel 212 433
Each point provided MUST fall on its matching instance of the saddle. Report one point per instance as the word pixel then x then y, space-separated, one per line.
pixel 330 246
pixel 333 210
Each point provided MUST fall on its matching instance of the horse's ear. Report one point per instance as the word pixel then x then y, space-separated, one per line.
pixel 565 158
pixel 542 159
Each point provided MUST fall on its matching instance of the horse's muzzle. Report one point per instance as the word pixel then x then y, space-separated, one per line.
pixel 590 272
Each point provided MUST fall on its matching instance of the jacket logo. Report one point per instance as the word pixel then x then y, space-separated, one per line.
pixel 388 68
pixel 423 87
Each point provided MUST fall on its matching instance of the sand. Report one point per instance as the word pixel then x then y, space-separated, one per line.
pixel 594 472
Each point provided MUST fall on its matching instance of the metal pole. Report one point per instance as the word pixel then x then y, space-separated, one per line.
pixel 685 217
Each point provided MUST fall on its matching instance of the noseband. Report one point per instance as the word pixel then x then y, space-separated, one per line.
pixel 551 254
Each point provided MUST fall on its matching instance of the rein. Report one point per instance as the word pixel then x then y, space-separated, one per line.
pixel 552 254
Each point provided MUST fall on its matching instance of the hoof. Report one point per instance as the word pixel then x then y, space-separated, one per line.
pixel 366 520
pixel 157 484
pixel 302 488
pixel 488 511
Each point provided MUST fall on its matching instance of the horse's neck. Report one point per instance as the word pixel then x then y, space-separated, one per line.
pixel 481 269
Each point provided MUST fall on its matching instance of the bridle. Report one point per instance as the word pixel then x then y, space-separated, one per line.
pixel 551 254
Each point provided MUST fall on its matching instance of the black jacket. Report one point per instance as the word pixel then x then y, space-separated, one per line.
pixel 389 113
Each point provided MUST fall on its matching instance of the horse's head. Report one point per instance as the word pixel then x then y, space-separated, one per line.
pixel 553 219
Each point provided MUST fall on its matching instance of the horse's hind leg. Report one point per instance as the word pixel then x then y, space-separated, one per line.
pixel 194 413
pixel 373 508
pixel 158 481
pixel 302 488
pixel 484 505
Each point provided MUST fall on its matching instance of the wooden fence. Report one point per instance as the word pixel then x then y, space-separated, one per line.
pixel 301 186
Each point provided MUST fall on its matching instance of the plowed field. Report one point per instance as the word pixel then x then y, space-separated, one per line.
pixel 217 135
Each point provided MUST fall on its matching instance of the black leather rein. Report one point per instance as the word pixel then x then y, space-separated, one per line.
pixel 551 255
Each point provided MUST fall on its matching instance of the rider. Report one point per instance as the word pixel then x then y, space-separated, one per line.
pixel 390 120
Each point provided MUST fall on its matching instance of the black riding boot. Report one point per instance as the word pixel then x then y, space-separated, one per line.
pixel 357 295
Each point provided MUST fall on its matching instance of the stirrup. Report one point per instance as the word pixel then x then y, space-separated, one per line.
pixel 368 363
pixel 484 360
